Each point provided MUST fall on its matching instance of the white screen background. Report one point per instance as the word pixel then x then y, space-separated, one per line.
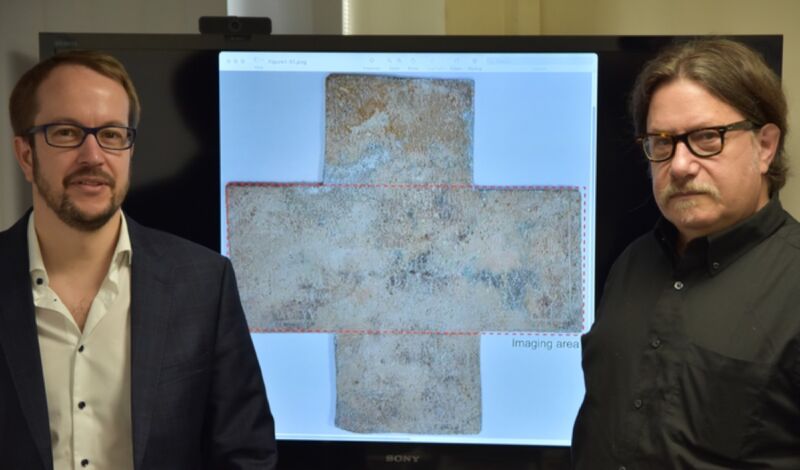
pixel 535 124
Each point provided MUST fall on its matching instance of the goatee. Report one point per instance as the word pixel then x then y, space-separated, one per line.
pixel 65 208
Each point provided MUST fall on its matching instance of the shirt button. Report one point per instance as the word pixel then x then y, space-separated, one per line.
pixel 714 265
pixel 85 463
pixel 80 349
pixel 39 281
pixel 81 405
pixel 637 403
pixel 655 343
pixel 678 285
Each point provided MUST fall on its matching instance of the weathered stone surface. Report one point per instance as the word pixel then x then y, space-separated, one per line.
pixel 338 258
pixel 402 258
pixel 424 384
pixel 382 129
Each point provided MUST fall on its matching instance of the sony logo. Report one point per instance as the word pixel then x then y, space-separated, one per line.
pixel 402 458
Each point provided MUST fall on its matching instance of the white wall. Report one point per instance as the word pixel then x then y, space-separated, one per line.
pixel 293 16
pixel 22 20
pixel 361 16
pixel 396 16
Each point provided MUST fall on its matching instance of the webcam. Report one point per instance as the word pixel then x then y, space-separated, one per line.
pixel 235 25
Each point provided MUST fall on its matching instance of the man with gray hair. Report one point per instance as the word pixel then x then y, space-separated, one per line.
pixel 694 359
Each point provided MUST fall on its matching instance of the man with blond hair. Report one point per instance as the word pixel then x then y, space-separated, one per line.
pixel 121 347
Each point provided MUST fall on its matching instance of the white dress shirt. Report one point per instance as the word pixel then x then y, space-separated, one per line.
pixel 87 374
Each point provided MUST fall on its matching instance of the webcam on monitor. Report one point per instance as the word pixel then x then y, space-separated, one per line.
pixel 235 25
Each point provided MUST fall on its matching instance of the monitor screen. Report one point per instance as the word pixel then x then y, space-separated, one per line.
pixel 413 238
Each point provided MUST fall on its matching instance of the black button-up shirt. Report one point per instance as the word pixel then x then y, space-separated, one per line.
pixel 694 362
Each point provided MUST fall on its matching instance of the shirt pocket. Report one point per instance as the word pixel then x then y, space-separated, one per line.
pixel 714 402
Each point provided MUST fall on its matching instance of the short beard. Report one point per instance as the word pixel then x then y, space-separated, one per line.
pixel 66 210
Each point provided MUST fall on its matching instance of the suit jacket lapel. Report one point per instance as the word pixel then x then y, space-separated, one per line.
pixel 150 305
pixel 19 339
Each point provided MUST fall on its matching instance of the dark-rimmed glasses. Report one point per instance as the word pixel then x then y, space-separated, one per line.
pixel 68 135
pixel 705 142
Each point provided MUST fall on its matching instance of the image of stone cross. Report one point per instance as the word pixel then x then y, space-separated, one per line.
pixel 400 257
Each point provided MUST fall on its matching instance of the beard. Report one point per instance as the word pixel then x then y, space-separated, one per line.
pixel 65 208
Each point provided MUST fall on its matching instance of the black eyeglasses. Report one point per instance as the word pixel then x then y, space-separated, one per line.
pixel 64 135
pixel 704 143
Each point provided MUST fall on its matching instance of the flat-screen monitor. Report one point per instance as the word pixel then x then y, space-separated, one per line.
pixel 414 238
pixel 420 226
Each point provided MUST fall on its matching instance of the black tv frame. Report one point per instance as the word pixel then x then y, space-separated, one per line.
pixel 184 197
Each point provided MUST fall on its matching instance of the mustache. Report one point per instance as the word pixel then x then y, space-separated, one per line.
pixel 93 173
pixel 692 187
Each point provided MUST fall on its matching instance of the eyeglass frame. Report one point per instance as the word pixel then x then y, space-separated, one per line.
pixel 86 132
pixel 745 124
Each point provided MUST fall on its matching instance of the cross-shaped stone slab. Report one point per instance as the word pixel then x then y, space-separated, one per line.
pixel 399 256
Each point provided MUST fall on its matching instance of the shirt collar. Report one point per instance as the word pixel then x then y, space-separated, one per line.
pixel 37 271
pixel 121 256
pixel 122 252
pixel 721 249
